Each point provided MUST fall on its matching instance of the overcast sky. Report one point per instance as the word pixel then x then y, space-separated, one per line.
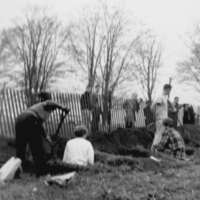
pixel 170 19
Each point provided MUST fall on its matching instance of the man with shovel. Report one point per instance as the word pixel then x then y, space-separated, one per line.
pixel 29 129
pixel 160 108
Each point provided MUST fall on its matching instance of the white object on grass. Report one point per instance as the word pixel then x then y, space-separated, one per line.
pixel 61 179
pixel 8 170
pixel 155 159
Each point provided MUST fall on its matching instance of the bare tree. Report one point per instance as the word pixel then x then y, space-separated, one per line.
pixel 148 65
pixel 34 46
pixel 188 71
pixel 4 70
pixel 87 42
pixel 104 46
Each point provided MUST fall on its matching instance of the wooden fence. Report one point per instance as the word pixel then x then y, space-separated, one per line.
pixel 13 102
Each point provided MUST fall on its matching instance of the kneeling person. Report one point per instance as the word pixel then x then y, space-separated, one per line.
pixel 79 151
pixel 171 141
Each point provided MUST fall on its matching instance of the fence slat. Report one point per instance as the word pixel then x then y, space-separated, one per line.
pixel 3 121
pixel 16 100
pixel 11 117
pixel 13 103
pixel 8 120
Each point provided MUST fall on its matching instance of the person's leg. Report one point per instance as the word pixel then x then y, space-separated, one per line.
pixel 97 121
pixel 159 131
pixel 93 122
pixel 96 118
pixel 21 137
pixel 86 119
pixel 37 150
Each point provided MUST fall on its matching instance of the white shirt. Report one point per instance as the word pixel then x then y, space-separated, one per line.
pixel 162 108
pixel 79 151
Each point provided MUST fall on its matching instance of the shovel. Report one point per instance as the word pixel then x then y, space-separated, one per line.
pixel 54 137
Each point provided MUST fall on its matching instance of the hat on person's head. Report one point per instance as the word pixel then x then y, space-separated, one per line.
pixel 168 122
pixel 44 96
pixel 80 130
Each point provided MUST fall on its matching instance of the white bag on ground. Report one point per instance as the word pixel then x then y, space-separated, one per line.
pixel 8 170
pixel 60 179
pixel 155 159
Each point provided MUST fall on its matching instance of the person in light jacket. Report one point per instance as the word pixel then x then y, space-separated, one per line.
pixel 79 151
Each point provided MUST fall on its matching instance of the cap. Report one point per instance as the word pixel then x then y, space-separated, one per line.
pixel 168 122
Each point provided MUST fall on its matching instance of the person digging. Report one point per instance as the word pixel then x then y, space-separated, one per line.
pixel 29 130
pixel 171 142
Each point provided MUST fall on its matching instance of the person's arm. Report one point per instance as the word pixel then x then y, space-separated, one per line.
pixel 158 102
pixel 173 109
pixel 163 142
pixel 91 155
pixel 45 135
pixel 153 107
pixel 52 105
pixel 43 132
pixel 180 106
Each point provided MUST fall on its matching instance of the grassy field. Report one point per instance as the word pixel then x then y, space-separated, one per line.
pixel 115 177
pixel 174 180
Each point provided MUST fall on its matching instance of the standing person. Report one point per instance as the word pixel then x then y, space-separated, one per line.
pixel 86 107
pixel 192 114
pixel 96 109
pixel 186 115
pixel 149 117
pixel 79 151
pixel 160 109
pixel 177 106
pixel 131 106
pixel 29 130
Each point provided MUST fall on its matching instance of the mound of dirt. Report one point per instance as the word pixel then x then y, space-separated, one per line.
pixel 194 133
pixel 135 142
pixel 7 149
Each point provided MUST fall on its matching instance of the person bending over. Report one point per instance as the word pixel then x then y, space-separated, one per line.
pixel 29 129
pixel 79 151
pixel 171 141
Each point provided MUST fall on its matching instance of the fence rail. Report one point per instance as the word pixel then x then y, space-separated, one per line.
pixel 13 102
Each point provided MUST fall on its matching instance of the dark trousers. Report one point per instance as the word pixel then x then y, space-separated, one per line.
pixel 28 131
pixel 129 124
pixel 95 120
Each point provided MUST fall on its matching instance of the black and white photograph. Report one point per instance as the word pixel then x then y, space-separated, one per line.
pixel 99 100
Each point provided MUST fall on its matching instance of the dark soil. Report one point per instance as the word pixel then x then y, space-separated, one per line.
pixel 135 142
pixel 121 147
pixel 7 149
